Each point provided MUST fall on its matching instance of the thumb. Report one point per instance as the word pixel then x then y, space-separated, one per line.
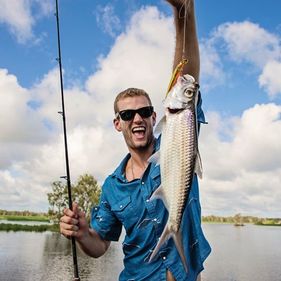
pixel 81 214
pixel 75 209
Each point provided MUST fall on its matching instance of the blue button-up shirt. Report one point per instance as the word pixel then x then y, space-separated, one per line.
pixel 127 203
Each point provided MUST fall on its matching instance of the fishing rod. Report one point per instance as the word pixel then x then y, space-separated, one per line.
pixel 67 177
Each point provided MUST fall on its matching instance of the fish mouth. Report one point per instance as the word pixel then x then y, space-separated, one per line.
pixel 174 110
pixel 139 131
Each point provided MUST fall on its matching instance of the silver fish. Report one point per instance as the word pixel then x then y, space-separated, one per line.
pixel 178 157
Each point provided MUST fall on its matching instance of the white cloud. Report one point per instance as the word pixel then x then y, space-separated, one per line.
pixel 21 127
pixel 242 174
pixel 247 42
pixel 45 7
pixel 270 78
pixel 108 20
pixel 212 73
pixel 140 57
pixel 17 15
pixel 240 154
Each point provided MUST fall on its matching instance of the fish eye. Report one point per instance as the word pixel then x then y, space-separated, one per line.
pixel 189 94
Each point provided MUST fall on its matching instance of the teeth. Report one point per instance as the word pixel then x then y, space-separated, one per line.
pixel 138 129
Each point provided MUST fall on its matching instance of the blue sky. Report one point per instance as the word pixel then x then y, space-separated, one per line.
pixel 110 45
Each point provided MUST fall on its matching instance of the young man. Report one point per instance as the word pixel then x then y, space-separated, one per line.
pixel 125 193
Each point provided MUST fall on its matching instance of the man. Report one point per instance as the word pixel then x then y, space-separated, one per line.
pixel 125 194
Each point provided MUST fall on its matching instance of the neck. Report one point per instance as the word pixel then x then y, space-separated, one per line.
pixel 138 163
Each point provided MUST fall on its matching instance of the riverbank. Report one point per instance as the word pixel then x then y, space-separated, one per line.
pixel 38 218
pixel 238 219
pixel 31 228
pixel 24 222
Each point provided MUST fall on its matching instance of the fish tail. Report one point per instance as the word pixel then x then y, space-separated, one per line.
pixel 178 242
pixel 167 233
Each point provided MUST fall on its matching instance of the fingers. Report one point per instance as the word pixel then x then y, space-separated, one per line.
pixel 69 220
pixel 75 208
pixel 73 223
pixel 69 213
pixel 69 223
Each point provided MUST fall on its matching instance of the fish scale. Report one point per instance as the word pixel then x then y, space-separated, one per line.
pixel 178 158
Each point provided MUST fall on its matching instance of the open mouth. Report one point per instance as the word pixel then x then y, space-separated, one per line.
pixel 139 131
pixel 174 110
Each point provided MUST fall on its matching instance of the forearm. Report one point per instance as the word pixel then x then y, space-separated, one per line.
pixel 187 41
pixel 92 244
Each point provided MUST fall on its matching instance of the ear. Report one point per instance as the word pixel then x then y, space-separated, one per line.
pixel 154 118
pixel 117 125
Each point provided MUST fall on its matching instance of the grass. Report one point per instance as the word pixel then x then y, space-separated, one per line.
pixel 34 228
pixel 25 218
pixel 24 227
pixel 268 224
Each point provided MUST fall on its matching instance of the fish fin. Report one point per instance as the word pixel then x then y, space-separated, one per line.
pixel 166 234
pixel 198 166
pixel 155 158
pixel 159 194
pixel 160 125
pixel 178 242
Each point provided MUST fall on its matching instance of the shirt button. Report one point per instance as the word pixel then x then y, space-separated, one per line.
pixel 142 183
pixel 147 200
pixel 164 258
pixel 121 206
pixel 155 219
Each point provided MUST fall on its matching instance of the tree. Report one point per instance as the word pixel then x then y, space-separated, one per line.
pixel 85 192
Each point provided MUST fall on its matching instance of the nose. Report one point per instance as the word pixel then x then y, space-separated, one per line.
pixel 137 118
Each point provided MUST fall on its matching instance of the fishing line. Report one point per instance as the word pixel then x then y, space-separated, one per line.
pixel 185 6
pixel 179 68
pixel 67 177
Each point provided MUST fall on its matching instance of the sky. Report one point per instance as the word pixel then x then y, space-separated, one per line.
pixel 108 46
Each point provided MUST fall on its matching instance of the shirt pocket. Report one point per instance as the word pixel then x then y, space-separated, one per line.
pixel 125 212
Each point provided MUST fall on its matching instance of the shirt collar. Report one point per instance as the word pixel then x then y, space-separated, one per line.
pixel 119 172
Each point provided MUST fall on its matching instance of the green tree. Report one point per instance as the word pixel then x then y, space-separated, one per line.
pixel 58 199
pixel 85 192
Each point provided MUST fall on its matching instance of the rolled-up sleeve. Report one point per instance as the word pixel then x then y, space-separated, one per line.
pixel 103 220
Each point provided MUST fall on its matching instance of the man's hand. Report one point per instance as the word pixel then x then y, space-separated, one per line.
pixel 73 223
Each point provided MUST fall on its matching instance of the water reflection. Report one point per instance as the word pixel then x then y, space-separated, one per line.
pixel 27 256
pixel 243 253
pixel 239 254
pixel 25 222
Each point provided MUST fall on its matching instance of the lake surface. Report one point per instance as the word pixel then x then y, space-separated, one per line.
pixel 24 222
pixel 249 253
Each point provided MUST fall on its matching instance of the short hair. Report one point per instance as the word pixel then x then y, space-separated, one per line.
pixel 130 92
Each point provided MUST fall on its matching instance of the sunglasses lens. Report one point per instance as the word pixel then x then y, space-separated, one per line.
pixel 145 112
pixel 129 114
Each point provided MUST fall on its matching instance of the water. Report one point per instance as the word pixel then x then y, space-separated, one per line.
pixel 25 222
pixel 249 253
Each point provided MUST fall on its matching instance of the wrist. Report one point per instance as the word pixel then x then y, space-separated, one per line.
pixel 83 236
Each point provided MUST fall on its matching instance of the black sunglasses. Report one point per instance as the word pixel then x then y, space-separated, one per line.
pixel 129 114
